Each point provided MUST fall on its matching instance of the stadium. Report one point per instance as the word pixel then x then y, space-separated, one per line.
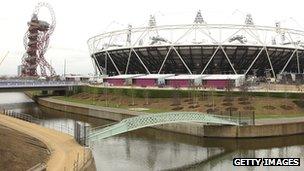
pixel 200 48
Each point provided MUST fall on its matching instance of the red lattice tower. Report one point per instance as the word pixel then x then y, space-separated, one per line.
pixel 36 41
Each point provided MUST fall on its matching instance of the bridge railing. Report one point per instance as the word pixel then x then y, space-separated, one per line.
pixel 93 129
pixel 150 120
pixel 30 83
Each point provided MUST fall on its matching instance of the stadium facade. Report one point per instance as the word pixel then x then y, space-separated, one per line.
pixel 200 48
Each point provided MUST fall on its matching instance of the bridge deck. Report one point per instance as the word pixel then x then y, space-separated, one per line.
pixel 149 120
pixel 23 85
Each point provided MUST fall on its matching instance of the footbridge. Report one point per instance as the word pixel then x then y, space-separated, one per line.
pixel 28 85
pixel 149 120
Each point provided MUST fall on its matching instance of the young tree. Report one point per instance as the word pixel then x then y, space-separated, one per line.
pixel 146 96
pixel 105 92
pixel 191 94
pixel 118 94
pixel 196 96
pixel 244 89
pixel 268 93
pixel 212 96
pixel 132 91
pixel 175 98
pixel 228 93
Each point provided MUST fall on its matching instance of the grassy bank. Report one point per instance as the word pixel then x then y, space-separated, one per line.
pixel 262 104
pixel 207 102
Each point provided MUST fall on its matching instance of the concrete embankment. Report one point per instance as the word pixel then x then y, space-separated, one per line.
pixel 264 130
pixel 65 152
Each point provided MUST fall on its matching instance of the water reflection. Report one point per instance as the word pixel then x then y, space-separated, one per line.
pixel 143 154
pixel 224 163
pixel 151 149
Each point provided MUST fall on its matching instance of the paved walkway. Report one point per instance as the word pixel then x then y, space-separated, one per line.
pixel 279 120
pixel 93 107
pixel 64 149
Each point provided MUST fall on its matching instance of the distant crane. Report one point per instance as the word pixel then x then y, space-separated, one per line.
pixel 36 41
pixel 1 60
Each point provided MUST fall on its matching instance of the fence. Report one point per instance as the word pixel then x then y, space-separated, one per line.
pixel 30 118
pixel 21 116
pixel 81 132
pixel 241 117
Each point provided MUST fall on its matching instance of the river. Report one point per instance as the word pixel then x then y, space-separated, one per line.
pixel 151 149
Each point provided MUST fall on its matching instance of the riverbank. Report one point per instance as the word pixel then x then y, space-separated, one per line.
pixel 262 105
pixel 65 152
pixel 263 128
pixel 13 157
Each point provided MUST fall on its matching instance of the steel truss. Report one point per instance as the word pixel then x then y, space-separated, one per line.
pixel 36 41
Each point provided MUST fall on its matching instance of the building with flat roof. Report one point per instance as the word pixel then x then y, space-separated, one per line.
pixel 121 80
pixel 223 81
pixel 184 80
pixel 151 80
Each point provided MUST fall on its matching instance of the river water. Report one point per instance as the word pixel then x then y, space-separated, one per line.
pixel 150 149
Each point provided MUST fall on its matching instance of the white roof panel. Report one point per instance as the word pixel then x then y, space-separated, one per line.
pixel 124 76
pixel 154 76
pixel 223 76
pixel 185 77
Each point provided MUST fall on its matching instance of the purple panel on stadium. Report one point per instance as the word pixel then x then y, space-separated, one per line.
pixel 179 83
pixel 145 82
pixel 115 82
pixel 220 84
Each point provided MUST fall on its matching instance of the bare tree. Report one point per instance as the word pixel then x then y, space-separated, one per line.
pixel 92 95
pixel 190 94
pixel 146 96
pixel 195 96
pixel 203 94
pixel 118 94
pixel 268 93
pixel 132 96
pixel 244 89
pixel 176 98
pixel 105 92
pixel 229 92
pixel 212 96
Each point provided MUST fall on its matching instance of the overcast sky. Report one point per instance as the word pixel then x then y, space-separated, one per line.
pixel 79 20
